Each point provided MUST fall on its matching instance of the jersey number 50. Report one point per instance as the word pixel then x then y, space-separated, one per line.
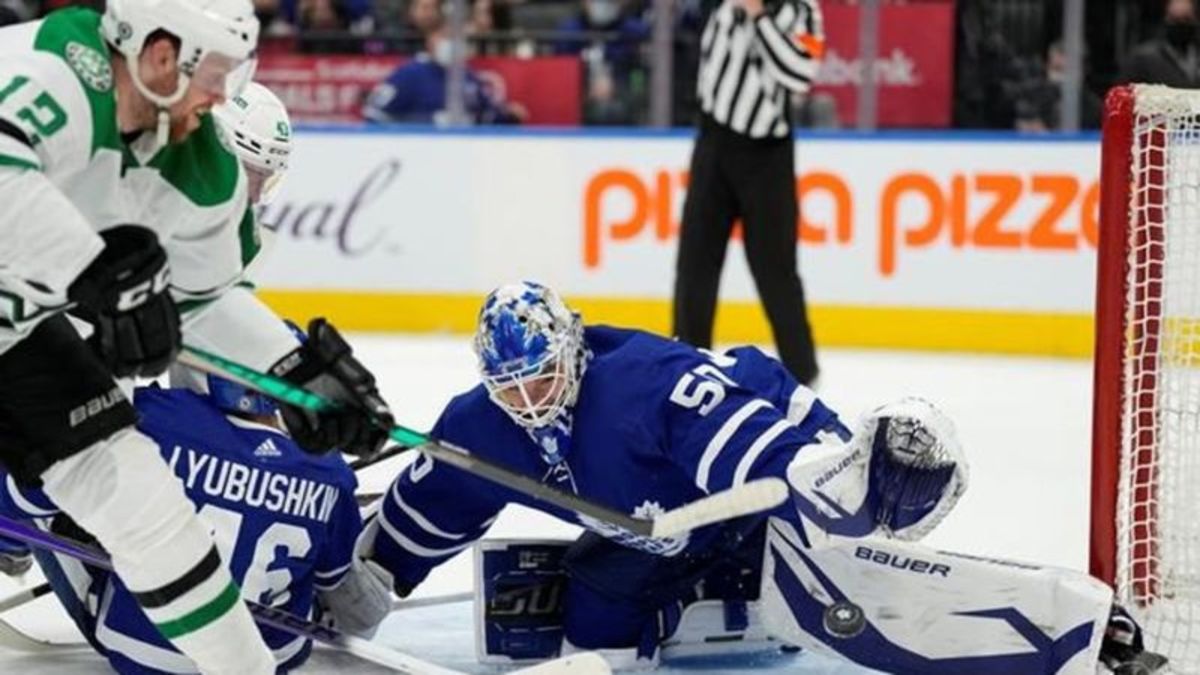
pixel 703 387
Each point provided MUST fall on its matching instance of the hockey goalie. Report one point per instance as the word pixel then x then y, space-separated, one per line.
pixel 646 424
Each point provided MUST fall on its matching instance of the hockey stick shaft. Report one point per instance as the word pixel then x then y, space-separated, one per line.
pixel 433 601
pixel 267 616
pixel 751 497
pixel 24 596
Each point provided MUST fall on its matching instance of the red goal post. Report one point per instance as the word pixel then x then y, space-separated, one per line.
pixel 1145 529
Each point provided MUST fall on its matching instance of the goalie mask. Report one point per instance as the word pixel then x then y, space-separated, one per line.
pixel 531 353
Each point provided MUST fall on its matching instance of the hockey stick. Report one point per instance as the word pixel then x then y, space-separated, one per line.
pixel 433 600
pixel 587 663
pixel 740 500
pixel 24 596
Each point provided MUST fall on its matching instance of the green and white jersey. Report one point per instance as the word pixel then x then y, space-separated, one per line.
pixel 77 177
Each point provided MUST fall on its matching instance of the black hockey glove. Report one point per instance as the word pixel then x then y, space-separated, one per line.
pixel 325 364
pixel 123 294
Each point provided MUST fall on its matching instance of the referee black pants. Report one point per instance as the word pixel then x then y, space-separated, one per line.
pixel 735 176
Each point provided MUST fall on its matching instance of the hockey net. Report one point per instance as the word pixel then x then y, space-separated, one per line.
pixel 1146 424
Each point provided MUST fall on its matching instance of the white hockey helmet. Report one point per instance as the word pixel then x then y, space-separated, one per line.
pixel 256 127
pixel 217 41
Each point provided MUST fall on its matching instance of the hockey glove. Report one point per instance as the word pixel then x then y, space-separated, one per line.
pixel 918 470
pixel 363 598
pixel 123 294
pixel 326 365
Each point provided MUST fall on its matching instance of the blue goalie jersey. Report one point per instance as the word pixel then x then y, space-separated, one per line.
pixel 283 520
pixel 657 424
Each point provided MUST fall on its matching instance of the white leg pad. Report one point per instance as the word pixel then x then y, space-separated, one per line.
pixel 905 608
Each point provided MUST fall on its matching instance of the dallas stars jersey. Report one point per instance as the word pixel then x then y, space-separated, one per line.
pixel 74 176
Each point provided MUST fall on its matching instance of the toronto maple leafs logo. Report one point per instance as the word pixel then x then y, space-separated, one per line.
pixel 665 546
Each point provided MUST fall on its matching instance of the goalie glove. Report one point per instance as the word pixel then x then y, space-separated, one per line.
pixel 123 294
pixel 898 475
pixel 325 364
pixel 918 469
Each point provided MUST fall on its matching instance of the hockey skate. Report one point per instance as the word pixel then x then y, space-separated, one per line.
pixel 1123 651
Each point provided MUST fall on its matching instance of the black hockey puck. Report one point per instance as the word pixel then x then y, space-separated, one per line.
pixel 844 620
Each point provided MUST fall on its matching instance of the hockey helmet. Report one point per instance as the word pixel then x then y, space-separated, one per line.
pixel 256 128
pixel 531 352
pixel 217 41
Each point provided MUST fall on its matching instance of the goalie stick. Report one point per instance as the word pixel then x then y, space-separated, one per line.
pixel 750 497
pixel 587 663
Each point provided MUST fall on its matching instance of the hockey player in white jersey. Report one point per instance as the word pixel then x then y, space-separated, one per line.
pixel 642 424
pixel 123 207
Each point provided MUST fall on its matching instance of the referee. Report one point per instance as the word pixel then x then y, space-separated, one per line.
pixel 753 56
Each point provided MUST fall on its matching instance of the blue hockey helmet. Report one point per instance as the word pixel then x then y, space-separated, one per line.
pixel 531 352
pixel 235 398
pixel 226 394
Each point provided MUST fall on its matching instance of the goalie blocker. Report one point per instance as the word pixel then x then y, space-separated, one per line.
pixel 521 591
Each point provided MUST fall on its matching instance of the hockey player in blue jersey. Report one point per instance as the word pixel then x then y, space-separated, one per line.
pixel 645 424
pixel 286 520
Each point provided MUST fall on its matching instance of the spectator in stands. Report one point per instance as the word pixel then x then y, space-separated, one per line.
pixel 271 18
pixel 284 17
pixel 609 42
pixel 1172 58
pixel 416 91
pixel 985 68
pixel 486 18
pixel 1039 96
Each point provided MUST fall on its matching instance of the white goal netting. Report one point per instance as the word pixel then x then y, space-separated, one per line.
pixel 1158 508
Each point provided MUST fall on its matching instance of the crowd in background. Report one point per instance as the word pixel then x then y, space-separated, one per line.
pixel 1009 59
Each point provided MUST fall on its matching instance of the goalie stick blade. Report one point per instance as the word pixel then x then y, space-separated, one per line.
pixel 583 663
pixel 757 495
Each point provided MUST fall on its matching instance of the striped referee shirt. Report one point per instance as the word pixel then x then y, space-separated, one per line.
pixel 749 68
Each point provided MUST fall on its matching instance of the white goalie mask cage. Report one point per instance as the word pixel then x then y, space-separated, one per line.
pixel 531 353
